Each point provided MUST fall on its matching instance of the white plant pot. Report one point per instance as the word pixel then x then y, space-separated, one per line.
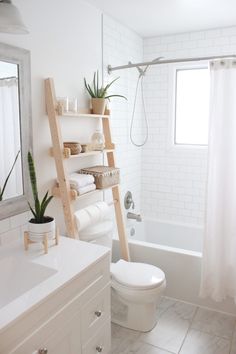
pixel 38 231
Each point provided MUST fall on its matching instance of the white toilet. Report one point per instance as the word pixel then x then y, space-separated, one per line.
pixel 136 287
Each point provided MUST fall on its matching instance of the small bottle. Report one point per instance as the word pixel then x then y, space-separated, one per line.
pixel 98 141
pixel 73 105
pixel 64 103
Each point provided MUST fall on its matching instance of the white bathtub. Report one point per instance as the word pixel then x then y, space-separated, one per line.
pixel 176 249
pixel 184 237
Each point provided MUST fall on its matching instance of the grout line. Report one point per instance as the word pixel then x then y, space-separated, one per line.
pixel 202 307
pixel 190 324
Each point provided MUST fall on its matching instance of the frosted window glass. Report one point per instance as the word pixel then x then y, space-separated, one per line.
pixel 192 106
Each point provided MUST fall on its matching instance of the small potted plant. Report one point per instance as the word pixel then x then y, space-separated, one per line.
pixel 99 94
pixel 40 224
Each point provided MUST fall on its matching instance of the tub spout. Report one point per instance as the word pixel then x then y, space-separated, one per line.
pixel 134 216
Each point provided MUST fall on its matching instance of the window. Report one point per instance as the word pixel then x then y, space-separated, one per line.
pixel 191 106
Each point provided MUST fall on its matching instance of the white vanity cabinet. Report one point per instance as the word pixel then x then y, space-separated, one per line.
pixel 74 319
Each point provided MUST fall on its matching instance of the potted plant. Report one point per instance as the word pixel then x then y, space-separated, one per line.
pixel 40 224
pixel 99 94
pixel 2 190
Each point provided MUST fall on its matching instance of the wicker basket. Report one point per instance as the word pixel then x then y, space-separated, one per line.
pixel 75 147
pixel 104 176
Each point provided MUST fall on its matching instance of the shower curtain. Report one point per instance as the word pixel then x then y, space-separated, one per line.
pixel 219 251
pixel 10 142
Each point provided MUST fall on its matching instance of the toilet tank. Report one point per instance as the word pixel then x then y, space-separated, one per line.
pixel 99 233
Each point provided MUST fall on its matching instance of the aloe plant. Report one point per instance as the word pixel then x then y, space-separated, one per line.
pixel 97 91
pixel 39 207
pixel 2 190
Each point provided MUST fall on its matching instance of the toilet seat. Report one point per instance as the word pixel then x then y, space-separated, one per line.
pixel 136 276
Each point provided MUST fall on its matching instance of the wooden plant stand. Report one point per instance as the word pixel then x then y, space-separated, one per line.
pixel 27 240
pixel 64 192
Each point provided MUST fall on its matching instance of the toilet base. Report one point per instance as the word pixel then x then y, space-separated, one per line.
pixel 137 316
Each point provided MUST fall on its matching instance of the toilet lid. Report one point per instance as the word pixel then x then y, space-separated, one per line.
pixel 137 275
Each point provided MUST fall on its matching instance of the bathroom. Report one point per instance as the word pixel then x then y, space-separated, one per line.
pixel 167 181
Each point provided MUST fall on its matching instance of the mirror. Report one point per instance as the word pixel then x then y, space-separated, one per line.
pixel 15 129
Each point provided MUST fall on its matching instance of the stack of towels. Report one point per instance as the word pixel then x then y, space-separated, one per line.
pixel 82 183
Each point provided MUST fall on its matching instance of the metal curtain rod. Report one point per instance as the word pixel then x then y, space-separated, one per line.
pixel 167 61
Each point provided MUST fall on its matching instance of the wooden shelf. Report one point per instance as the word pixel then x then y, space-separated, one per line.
pixel 67 155
pixel 74 195
pixel 86 115
pixel 91 153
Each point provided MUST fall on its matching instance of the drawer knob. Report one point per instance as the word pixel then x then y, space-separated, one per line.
pixel 42 351
pixel 98 313
pixel 99 349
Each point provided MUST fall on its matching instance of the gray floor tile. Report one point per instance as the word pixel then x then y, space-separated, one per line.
pixel 214 323
pixel 171 327
pixel 198 342
pixel 164 305
pixel 122 339
pixel 233 345
pixel 143 348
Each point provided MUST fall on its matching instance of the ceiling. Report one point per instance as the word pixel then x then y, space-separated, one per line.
pixel 159 17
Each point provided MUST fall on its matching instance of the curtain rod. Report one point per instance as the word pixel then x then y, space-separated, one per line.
pixel 166 61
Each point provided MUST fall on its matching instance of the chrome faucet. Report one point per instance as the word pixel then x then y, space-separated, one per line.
pixel 134 216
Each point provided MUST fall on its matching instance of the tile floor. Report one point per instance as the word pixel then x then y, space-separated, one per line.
pixel 181 328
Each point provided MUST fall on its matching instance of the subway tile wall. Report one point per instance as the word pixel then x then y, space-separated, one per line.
pixel 121 45
pixel 174 178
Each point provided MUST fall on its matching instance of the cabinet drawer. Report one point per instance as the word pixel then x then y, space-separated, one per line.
pixel 95 313
pixel 101 342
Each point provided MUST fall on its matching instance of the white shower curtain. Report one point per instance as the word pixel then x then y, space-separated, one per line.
pixel 10 142
pixel 219 251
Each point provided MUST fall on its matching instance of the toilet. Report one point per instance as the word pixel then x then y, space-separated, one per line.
pixel 136 288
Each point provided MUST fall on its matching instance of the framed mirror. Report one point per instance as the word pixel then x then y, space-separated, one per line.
pixel 15 129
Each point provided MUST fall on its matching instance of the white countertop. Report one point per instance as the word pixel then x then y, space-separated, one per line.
pixel 66 261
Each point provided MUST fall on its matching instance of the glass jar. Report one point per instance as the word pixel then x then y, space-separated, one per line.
pixel 98 141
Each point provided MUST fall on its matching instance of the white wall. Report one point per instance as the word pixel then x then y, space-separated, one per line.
pixel 173 180
pixel 121 45
pixel 65 43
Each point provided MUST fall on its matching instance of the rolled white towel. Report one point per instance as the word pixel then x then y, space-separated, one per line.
pixel 104 209
pixel 89 188
pixel 78 180
pixel 91 215
pixel 83 219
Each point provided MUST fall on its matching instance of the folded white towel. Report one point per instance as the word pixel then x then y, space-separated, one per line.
pixel 89 188
pixel 78 180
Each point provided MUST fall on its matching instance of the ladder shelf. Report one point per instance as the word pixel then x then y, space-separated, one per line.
pixel 63 191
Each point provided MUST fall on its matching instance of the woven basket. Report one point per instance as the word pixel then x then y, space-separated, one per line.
pixel 104 176
pixel 75 147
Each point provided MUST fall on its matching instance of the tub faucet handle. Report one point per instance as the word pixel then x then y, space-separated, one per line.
pixel 128 201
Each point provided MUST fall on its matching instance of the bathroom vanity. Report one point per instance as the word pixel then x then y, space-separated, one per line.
pixel 57 303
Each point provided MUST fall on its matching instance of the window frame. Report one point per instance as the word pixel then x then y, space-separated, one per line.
pixel 173 104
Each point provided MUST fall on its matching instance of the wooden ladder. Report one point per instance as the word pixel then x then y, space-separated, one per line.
pixel 61 154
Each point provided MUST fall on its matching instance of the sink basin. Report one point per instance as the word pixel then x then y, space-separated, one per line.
pixel 18 276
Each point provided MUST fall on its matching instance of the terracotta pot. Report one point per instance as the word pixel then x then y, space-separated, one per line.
pixel 38 231
pixel 98 105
